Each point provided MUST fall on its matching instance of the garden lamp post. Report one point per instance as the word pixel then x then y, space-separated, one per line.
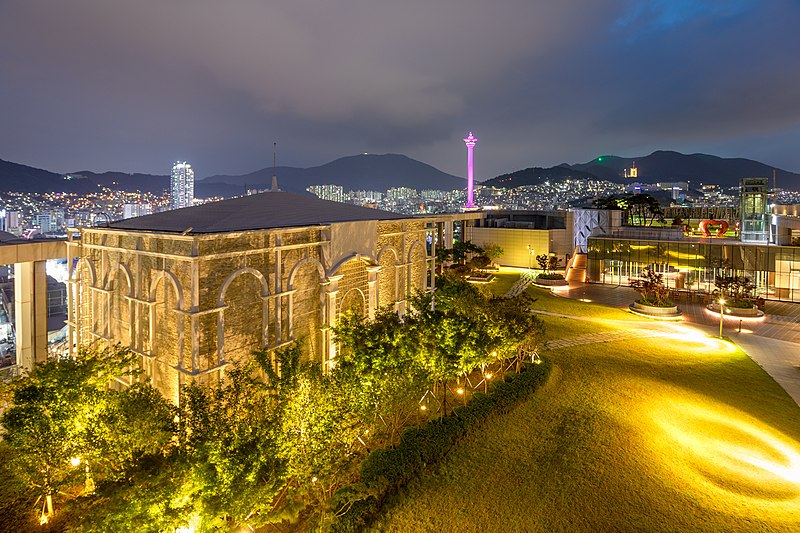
pixel 721 314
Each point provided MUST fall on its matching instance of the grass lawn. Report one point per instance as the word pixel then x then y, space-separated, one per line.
pixel 503 280
pixel 684 434
pixel 545 300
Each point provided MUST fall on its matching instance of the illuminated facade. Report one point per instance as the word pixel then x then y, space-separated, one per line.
pixel 181 185
pixel 754 209
pixel 693 265
pixel 334 193
pixel 193 290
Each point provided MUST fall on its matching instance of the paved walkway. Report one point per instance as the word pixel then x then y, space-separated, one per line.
pixel 773 343
pixel 605 336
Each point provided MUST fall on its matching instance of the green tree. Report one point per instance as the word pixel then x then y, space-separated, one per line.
pixel 651 289
pixel 55 423
pixel 493 251
pixel 462 248
pixel 320 439
pixel 736 290
pixel 377 356
pixel 229 435
pixel 640 209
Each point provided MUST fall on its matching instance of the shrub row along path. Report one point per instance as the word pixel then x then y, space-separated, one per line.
pixel 631 433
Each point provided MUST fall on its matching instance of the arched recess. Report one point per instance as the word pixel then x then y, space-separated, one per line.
pixel 353 301
pixel 166 331
pixel 88 266
pixel 388 258
pixel 119 284
pixel 242 325
pixel 354 277
pixel 417 267
pixel 82 306
pixel 307 305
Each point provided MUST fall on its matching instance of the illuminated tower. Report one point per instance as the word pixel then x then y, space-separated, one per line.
pixel 181 186
pixel 470 141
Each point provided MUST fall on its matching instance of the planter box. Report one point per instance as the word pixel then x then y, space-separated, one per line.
pixel 655 311
pixel 744 312
pixel 550 282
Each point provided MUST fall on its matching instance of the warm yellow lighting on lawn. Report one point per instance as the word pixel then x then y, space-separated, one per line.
pixel 75 461
pixel 488 376
pixel 460 391
pixel 698 340
pixel 423 407
pixel 738 462
pixel 586 300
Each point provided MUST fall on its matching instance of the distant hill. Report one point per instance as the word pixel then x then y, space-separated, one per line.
pixel 127 182
pixel 380 172
pixel 537 175
pixel 376 172
pixel 665 165
pixel 22 178
pixel 359 172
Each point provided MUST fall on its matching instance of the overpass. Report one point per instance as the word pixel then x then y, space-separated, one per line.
pixel 30 292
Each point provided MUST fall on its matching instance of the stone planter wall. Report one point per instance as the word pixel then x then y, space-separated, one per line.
pixel 654 311
pixel 750 312
pixel 551 282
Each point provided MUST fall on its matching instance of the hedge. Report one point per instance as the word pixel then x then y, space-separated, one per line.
pixel 385 470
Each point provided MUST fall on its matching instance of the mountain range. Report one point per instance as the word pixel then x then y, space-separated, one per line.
pixel 379 172
pixel 662 165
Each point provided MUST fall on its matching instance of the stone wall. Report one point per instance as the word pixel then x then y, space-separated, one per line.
pixel 190 305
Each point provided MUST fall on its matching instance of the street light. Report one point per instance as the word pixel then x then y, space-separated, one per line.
pixel 721 314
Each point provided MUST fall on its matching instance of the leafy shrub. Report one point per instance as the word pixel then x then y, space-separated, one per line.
pixel 481 261
pixel 386 470
pixel 461 270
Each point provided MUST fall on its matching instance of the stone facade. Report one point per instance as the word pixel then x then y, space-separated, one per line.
pixel 189 305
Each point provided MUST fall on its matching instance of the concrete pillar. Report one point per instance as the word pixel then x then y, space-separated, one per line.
pixel 278 289
pixel 448 234
pixel 331 290
pixel 372 282
pixel 30 313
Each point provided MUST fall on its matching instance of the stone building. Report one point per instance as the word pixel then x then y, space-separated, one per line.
pixel 192 290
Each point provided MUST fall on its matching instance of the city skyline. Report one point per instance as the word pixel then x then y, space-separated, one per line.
pixel 541 85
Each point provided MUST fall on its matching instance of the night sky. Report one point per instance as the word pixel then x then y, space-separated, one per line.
pixel 135 85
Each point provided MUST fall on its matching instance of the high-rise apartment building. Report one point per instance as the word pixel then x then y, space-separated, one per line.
pixel 182 186
pixel 334 193
pixel 136 210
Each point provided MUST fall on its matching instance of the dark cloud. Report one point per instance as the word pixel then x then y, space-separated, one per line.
pixel 134 85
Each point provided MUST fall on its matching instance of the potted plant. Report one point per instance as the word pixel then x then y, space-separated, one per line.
pixel 549 277
pixel 738 293
pixel 653 296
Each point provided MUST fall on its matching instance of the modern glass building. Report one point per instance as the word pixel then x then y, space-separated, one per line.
pixel 754 209
pixel 692 264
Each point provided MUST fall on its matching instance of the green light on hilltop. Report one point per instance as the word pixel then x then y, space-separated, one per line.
pixel 600 159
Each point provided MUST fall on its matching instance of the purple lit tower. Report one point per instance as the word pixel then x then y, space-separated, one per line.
pixel 470 141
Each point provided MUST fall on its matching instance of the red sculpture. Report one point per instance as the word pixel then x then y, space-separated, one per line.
pixel 703 227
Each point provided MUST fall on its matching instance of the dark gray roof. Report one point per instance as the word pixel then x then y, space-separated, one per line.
pixel 8 237
pixel 258 211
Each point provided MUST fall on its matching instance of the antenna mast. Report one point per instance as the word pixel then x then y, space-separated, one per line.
pixel 274 168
